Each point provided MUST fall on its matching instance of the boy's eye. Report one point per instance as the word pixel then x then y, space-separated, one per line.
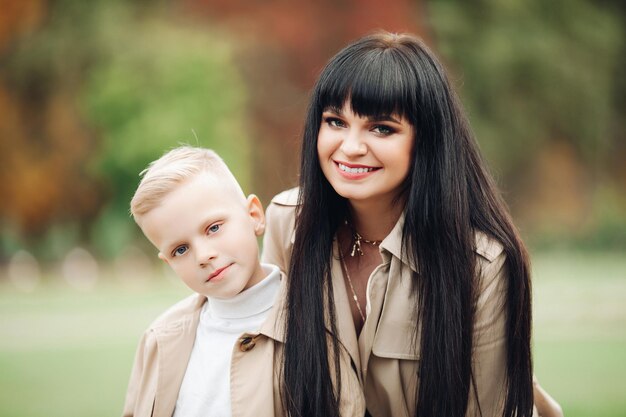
pixel 383 130
pixel 214 228
pixel 179 251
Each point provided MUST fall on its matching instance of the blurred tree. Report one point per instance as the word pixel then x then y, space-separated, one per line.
pixel 617 128
pixel 19 17
pixel 284 45
pixel 539 79
pixel 158 85
pixel 102 89
pixel 92 91
pixel 43 179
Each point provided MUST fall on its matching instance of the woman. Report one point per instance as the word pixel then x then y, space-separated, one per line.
pixel 399 249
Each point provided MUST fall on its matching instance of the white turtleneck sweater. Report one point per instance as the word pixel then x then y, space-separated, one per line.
pixel 205 390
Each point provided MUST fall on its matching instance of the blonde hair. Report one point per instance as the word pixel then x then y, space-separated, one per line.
pixel 173 168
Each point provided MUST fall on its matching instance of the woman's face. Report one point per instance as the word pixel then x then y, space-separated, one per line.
pixel 364 159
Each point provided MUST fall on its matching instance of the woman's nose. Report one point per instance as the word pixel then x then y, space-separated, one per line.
pixel 352 144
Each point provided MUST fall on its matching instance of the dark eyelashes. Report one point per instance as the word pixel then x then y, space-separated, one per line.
pixel 384 129
pixel 381 129
pixel 329 120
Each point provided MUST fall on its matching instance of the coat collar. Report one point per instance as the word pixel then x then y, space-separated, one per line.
pixel 484 246
pixel 393 301
pixel 175 339
pixel 392 246
pixel 274 324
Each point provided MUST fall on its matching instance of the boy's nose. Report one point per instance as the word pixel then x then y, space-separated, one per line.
pixel 205 253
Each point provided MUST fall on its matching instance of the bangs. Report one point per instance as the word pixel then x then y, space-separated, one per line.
pixel 377 83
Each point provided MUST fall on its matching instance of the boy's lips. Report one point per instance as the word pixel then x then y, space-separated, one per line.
pixel 218 272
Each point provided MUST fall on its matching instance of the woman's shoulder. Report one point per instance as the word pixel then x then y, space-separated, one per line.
pixel 281 211
pixel 487 246
pixel 280 219
pixel 287 198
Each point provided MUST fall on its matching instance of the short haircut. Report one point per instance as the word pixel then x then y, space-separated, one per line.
pixel 172 169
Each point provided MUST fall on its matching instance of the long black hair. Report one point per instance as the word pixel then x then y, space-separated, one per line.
pixel 449 196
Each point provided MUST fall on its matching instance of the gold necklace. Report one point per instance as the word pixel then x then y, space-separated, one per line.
pixel 354 297
pixel 356 245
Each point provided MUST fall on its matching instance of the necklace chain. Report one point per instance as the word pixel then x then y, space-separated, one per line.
pixel 354 296
pixel 357 239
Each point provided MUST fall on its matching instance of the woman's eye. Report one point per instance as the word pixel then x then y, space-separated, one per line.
pixel 334 122
pixel 383 130
pixel 179 251
pixel 214 228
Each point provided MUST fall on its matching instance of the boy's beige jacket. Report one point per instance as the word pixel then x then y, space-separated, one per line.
pixel 385 361
pixel 164 350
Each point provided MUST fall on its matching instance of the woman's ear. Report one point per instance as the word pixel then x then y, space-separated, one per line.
pixel 256 213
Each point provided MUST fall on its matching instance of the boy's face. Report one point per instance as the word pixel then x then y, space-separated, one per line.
pixel 206 231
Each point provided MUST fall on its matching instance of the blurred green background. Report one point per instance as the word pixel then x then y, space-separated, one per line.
pixel 90 92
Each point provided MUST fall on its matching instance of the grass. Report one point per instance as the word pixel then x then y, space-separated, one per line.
pixel 580 331
pixel 65 352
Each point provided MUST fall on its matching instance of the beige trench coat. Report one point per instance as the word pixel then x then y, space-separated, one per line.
pixel 163 353
pixel 386 363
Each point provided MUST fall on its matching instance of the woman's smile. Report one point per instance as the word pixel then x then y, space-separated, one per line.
pixel 364 158
pixel 355 171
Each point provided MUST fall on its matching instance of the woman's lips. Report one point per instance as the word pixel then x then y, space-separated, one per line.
pixel 354 171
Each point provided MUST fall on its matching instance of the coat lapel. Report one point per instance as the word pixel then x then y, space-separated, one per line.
pixel 389 326
pixel 345 324
pixel 175 342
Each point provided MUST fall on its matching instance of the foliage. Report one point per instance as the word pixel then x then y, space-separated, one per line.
pixel 536 74
pixel 532 71
pixel 103 87
pixel 159 85
pixel 137 81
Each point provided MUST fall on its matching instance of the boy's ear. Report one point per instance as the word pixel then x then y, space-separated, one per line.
pixel 163 258
pixel 255 211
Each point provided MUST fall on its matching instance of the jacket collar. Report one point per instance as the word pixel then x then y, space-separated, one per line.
pixel 274 324
pixel 175 341
pixel 484 246
pixel 392 246
pixel 389 323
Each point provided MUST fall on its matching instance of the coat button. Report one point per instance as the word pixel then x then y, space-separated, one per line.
pixel 246 343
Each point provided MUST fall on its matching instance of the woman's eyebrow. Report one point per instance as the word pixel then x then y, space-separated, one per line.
pixel 383 118
pixel 333 109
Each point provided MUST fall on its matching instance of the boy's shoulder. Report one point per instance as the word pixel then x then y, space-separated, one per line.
pixel 287 198
pixel 179 314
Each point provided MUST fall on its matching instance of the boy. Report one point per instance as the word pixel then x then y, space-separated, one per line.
pixel 213 353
